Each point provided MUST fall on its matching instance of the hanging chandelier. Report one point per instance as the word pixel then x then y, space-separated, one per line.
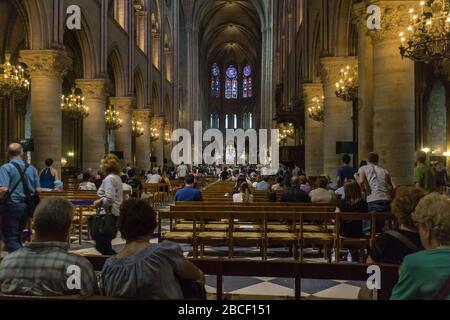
pixel 167 134
pixel 154 134
pixel 13 79
pixel 316 112
pixel 113 121
pixel 73 106
pixel 286 130
pixel 347 87
pixel 137 129
pixel 427 38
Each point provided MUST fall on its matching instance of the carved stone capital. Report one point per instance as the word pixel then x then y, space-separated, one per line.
pixel 47 63
pixel 123 104
pixel 312 90
pixel 93 88
pixel 158 122
pixel 142 115
pixel 359 16
pixel 331 67
pixel 394 19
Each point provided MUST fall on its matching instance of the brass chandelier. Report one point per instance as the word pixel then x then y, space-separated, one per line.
pixel 73 106
pixel 137 129
pixel 427 38
pixel 347 87
pixel 113 121
pixel 286 130
pixel 154 134
pixel 316 112
pixel 13 79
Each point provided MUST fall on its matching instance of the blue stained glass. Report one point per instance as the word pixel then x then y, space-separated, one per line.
pixel 228 89
pixel 247 70
pixel 232 72
pixel 235 89
pixel 215 70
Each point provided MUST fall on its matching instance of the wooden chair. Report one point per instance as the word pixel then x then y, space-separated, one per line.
pixel 248 231
pixel 324 238
pixel 274 235
pixel 214 229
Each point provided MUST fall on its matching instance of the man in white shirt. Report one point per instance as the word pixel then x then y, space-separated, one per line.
pixel 377 184
pixel 154 178
pixel 182 171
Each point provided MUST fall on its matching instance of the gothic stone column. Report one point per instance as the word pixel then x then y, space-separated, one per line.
pixel 47 69
pixel 143 143
pixel 313 132
pixel 393 103
pixel 365 72
pixel 94 128
pixel 158 145
pixel 124 134
pixel 338 125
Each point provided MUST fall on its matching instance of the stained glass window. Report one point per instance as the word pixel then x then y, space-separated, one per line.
pixel 247 84
pixel 214 122
pixel 248 121
pixel 215 81
pixel 231 83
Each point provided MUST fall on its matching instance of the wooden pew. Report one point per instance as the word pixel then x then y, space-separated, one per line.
pixel 244 268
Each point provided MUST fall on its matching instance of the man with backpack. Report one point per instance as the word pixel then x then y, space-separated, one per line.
pixel 19 185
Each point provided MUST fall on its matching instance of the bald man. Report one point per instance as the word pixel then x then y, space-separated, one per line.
pixel 17 209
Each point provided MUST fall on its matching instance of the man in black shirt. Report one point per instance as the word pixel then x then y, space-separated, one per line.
pixel 294 193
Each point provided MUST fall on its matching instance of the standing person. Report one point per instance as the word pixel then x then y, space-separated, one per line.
pixel 182 171
pixel 48 175
pixel 345 171
pixel 441 176
pixel 17 208
pixel 224 174
pixel 377 185
pixel 423 174
pixel 111 198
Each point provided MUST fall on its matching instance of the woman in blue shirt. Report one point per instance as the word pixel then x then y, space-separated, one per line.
pixel 48 176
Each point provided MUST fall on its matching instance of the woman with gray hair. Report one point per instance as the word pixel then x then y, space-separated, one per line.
pixel 426 275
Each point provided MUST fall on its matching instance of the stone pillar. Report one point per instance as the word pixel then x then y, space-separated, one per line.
pixel 338 125
pixel 143 143
pixel 365 92
pixel 124 134
pixel 94 128
pixel 47 69
pixel 313 132
pixel 158 145
pixel 393 96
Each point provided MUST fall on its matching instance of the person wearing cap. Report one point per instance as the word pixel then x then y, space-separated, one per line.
pixel 189 193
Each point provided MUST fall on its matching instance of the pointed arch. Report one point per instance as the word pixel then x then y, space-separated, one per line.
pixel 116 71
pixel 139 88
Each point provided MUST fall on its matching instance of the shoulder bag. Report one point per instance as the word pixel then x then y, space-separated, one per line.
pixel 32 200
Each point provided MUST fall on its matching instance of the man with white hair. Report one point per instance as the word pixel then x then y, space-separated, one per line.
pixel 45 267
pixel 18 192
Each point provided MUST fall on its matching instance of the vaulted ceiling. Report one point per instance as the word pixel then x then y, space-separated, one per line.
pixel 230 31
pixel 13 35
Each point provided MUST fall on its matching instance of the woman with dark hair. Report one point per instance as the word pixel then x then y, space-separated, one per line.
pixel 143 270
pixel 353 202
pixel 244 195
pixel 48 176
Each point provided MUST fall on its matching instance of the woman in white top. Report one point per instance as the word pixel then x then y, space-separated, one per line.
pixel 111 198
pixel 244 195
